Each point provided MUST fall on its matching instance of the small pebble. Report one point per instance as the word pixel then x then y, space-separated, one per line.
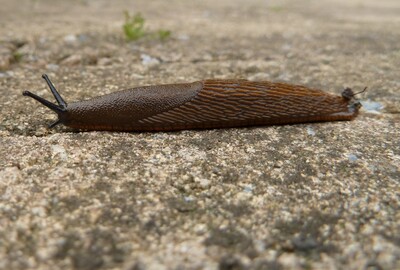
pixel 105 61
pixel 352 158
pixel 149 60
pixel 310 131
pixel 70 39
pixel 372 106
pixel 52 67
pixel 183 37
pixel 72 60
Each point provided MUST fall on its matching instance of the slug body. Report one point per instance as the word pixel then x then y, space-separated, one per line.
pixel 202 105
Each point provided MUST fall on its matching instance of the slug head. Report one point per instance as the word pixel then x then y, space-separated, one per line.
pixel 349 95
pixel 60 109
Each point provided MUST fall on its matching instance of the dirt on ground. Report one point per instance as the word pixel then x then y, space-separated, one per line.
pixel 306 196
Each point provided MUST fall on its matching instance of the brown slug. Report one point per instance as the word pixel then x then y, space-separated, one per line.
pixel 202 105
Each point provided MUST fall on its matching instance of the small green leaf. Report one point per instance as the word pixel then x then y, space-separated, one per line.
pixel 133 26
pixel 134 29
pixel 164 34
pixel 17 56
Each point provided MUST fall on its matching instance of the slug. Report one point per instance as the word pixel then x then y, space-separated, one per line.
pixel 202 105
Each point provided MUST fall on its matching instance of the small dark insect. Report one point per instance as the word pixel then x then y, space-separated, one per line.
pixel 202 105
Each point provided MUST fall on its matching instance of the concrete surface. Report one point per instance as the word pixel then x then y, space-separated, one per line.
pixel 310 196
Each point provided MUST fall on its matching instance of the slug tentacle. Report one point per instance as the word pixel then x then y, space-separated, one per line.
pixel 61 109
pixel 45 102
pixel 53 90
pixel 348 93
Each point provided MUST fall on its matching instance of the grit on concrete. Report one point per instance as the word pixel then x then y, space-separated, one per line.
pixel 307 196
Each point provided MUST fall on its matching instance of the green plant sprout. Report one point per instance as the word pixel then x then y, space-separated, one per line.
pixel 163 34
pixel 134 28
pixel 17 56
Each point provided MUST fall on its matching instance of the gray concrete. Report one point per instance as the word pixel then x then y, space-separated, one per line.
pixel 310 196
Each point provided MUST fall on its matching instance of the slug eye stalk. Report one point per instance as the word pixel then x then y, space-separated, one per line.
pixel 60 109
pixel 349 94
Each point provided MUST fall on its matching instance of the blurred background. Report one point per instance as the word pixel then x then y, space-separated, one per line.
pixel 297 41
pixel 308 196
